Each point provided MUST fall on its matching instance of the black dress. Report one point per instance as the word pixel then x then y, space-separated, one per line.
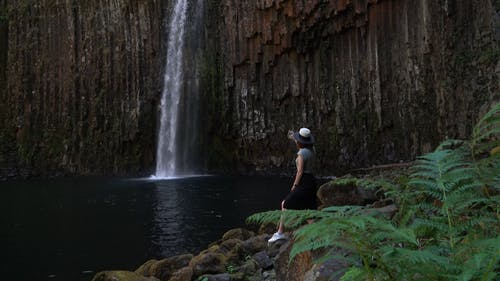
pixel 303 196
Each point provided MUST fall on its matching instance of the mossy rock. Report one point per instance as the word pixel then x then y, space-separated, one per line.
pixel 164 268
pixel 268 228
pixel 208 263
pixel 238 233
pixel 145 269
pixel 183 274
pixel 249 267
pixel 229 245
pixel 121 276
pixel 254 244
pixel 344 191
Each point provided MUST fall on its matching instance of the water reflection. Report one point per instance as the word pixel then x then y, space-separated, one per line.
pixel 167 232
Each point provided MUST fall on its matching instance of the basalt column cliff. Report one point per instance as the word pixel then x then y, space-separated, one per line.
pixel 377 81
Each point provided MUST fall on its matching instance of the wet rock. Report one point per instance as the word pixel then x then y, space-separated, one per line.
pixel 145 268
pixel 238 276
pixel 238 233
pixel 387 211
pixel 268 228
pixel 216 277
pixel 208 263
pixel 263 260
pixel 254 244
pixel 249 267
pixel 121 276
pixel 164 268
pixel 330 270
pixel 183 274
pixel 336 193
pixel 269 275
pixel 294 270
pixel 274 248
pixel 230 245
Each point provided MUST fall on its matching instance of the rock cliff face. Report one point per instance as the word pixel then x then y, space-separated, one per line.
pixel 81 85
pixel 376 81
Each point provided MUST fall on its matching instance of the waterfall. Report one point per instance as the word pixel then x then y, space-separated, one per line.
pixel 167 153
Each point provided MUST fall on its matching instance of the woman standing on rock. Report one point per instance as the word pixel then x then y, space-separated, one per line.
pixel 303 193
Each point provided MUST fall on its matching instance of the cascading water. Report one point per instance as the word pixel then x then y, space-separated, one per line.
pixel 173 80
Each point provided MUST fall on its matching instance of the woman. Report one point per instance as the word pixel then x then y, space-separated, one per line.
pixel 303 193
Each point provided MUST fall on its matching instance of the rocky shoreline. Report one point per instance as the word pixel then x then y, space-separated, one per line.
pixel 244 255
pixel 239 255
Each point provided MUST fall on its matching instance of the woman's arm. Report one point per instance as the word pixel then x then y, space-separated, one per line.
pixel 300 171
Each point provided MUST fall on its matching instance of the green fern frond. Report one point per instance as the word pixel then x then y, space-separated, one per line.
pixel 354 274
pixel 265 217
pixel 432 224
pixel 450 144
pixel 422 180
pixel 479 259
pixel 422 256
pixel 486 147
pixel 295 218
pixel 485 134
pixel 346 210
pixel 490 118
pixel 427 207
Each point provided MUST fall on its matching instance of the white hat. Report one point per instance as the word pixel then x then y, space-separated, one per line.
pixel 304 136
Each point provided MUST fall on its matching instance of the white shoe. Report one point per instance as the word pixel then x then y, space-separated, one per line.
pixel 277 236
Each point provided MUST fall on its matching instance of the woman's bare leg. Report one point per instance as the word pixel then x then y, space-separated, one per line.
pixel 281 227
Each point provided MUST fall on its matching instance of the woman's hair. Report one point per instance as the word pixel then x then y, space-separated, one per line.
pixel 301 145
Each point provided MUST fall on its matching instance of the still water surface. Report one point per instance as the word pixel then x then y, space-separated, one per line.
pixel 69 229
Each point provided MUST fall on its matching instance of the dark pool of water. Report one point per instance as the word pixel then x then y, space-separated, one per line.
pixel 69 229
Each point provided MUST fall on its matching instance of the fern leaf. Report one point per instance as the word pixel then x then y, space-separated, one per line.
pixel 487 127
pixel 450 143
pixel 265 217
pixel 354 274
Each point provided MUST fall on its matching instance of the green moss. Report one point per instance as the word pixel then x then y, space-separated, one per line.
pixel 25 152
pixel 463 58
pixel 220 154
pixel 489 56
pixel 3 145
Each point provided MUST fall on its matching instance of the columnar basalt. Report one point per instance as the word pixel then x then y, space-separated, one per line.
pixel 377 81
pixel 82 84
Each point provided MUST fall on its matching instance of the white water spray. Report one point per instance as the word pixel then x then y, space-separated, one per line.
pixel 166 156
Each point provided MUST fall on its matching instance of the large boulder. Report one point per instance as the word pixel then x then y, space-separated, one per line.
pixel 208 263
pixel 183 274
pixel 224 277
pixel 344 191
pixel 263 260
pixel 294 270
pixel 238 233
pixel 254 244
pixel 164 268
pixel 121 276
pixel 274 248
pixel 268 228
pixel 229 245
pixel 145 269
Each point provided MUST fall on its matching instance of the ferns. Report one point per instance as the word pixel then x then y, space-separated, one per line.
pixel 485 133
pixel 447 223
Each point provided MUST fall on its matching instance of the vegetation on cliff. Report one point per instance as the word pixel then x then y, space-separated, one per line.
pixel 446 226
